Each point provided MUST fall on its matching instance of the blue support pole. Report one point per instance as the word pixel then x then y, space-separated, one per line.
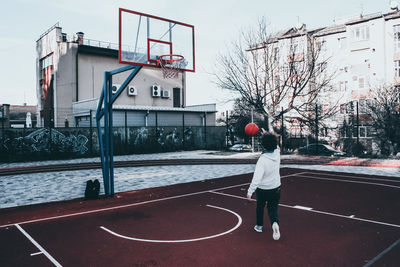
pixel 106 166
pixel 106 140
pixel 111 139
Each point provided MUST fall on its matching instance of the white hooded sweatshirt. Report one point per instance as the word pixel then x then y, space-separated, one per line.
pixel 266 175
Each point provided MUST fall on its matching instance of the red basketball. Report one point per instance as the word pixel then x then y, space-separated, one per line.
pixel 251 129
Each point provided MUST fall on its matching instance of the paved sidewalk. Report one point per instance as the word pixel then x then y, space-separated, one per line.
pixel 18 190
pixel 202 154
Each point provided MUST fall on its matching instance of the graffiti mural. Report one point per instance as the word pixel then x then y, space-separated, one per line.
pixel 41 141
pixel 169 139
pixel 58 143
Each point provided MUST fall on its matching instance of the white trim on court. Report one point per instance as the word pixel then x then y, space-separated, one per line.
pixel 130 205
pixel 182 240
pixel 38 246
pixel 37 253
pixel 113 208
pixel 348 181
pixel 302 207
pixel 352 217
pixel 380 255
pixel 394 180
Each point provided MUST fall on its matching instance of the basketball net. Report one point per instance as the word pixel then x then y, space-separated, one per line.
pixel 170 65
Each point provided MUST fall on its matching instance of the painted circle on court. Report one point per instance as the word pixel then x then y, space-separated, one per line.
pixel 182 240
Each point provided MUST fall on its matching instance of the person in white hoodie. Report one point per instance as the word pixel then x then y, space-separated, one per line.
pixel 266 183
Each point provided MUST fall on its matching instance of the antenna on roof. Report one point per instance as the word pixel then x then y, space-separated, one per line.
pixel 298 24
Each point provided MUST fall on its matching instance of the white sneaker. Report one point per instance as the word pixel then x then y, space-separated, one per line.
pixel 258 228
pixel 275 231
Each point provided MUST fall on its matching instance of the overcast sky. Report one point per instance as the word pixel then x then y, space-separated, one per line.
pixel 216 24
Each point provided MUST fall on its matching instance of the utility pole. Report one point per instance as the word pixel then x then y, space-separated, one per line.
pixel 227 129
pixel 2 126
pixel 252 138
pixel 316 125
pixel 358 125
pixel 282 129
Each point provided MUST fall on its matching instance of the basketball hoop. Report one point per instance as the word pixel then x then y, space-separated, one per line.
pixel 171 65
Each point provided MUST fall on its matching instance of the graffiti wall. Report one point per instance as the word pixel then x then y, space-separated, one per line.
pixel 59 143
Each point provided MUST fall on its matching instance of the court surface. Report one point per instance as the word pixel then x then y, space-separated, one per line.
pixel 327 219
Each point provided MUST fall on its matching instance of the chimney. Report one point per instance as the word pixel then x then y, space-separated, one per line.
pixel 79 38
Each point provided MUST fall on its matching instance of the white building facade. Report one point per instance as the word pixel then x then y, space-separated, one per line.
pixel 362 53
pixel 70 75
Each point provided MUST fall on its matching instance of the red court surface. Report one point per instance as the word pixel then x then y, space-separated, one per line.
pixel 327 219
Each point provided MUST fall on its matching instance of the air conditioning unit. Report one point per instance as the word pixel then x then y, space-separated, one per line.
pixel 155 91
pixel 165 94
pixel 132 90
pixel 115 88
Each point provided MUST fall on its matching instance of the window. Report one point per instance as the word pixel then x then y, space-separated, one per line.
pixel 277 82
pixel 363 132
pixel 45 62
pixel 360 33
pixel 350 108
pixel 342 42
pixel 355 132
pixel 343 109
pixel 177 97
pixel 296 46
pixel 361 106
pixel 325 108
pixel 321 45
pixel 396 37
pixel 397 68
pixel 343 85
pixel 361 82
pixel 276 53
pixel 370 132
pixel 296 66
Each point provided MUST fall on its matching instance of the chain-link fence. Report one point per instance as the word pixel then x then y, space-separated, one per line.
pixel 28 144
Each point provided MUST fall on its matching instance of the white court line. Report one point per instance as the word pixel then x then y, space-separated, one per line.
pixel 184 240
pixel 320 212
pixel 115 208
pixel 39 246
pixel 130 205
pixel 302 207
pixel 348 181
pixel 353 177
pixel 380 255
pixel 37 253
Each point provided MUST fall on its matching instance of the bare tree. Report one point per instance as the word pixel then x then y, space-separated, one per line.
pixel 275 74
pixel 385 114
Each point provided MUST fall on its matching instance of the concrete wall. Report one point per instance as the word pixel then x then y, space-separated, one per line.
pixel 65 83
pixel 91 78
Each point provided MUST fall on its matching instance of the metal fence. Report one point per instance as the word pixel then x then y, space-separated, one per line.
pixel 28 144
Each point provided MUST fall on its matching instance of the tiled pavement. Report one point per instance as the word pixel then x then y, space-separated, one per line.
pixel 17 190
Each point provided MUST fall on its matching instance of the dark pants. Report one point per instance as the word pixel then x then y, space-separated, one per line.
pixel 271 197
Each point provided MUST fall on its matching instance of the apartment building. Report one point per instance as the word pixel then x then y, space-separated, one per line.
pixel 70 75
pixel 361 52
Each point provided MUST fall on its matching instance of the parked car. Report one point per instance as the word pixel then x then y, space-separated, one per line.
pixel 241 148
pixel 320 149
